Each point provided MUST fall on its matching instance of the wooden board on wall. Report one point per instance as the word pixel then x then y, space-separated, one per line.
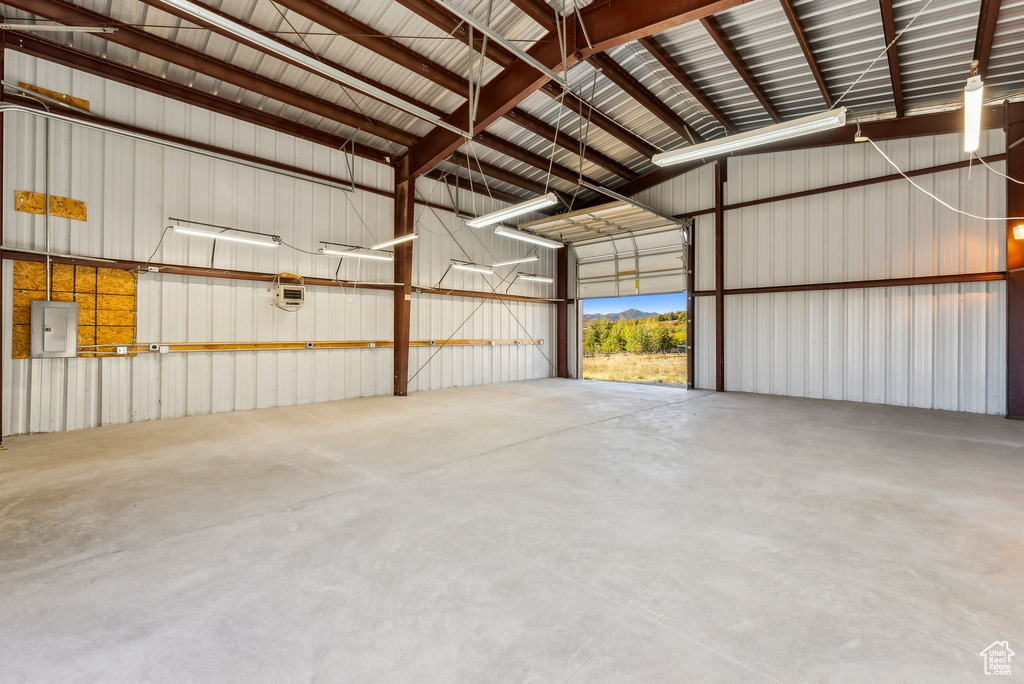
pixel 60 207
pixel 106 304
pixel 70 100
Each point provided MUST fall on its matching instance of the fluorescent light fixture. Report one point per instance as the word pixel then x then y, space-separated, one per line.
pixel 1018 232
pixel 524 260
pixel 476 268
pixel 526 237
pixel 806 125
pixel 271 242
pixel 358 255
pixel 289 53
pixel 54 28
pixel 536 278
pixel 396 241
pixel 513 211
pixel 973 96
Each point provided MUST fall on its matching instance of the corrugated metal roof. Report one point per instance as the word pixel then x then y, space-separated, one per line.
pixel 765 41
pixel 935 53
pixel 845 36
pixel 1006 63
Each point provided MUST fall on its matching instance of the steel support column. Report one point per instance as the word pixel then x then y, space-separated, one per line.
pixel 720 179
pixel 562 315
pixel 691 258
pixel 1014 276
pixel 405 216
pixel 3 356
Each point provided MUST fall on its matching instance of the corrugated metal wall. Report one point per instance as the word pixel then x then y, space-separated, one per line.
pixel 132 188
pixel 928 346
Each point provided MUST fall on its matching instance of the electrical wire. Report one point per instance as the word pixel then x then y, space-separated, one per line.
pixel 882 53
pixel 934 196
pixel 995 171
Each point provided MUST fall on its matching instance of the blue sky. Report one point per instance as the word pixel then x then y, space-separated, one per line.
pixel 652 303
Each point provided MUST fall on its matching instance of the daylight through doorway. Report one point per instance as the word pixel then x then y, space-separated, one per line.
pixel 635 339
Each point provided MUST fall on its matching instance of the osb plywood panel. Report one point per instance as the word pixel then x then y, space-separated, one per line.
pixel 106 304
pixel 70 100
pixel 60 207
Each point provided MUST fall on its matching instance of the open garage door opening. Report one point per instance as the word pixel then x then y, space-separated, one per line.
pixel 633 269
pixel 640 338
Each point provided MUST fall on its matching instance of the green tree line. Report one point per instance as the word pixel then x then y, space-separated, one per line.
pixel 658 334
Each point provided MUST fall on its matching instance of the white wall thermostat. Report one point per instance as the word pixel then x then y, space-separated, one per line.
pixel 289 297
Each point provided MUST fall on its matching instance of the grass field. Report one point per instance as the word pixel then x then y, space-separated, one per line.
pixel 626 367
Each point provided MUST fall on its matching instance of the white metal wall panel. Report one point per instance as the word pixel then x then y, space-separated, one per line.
pixel 132 188
pixel 704 343
pixel 930 346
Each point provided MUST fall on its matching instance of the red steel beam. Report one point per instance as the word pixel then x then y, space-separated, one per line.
pixel 986 276
pixel 385 46
pixel 449 23
pixel 454 26
pixel 475 187
pixel 160 48
pixel 720 178
pixel 562 313
pixel 927 171
pixel 608 24
pixel 342 22
pixel 889 29
pixel 3 73
pixel 910 127
pixel 88 63
pixel 405 219
pixel 92 64
pixel 812 62
pixel 539 11
pixel 986 31
pixel 534 160
pixel 677 72
pixel 732 54
pixel 636 90
pixel 602 121
pixel 560 138
pixel 1014 275
pixel 496 172
pixel 390 49
pixel 393 92
pixel 691 260
pixel 166 50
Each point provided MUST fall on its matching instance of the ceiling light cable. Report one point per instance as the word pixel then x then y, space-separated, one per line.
pixel 996 171
pixel 882 53
pixel 936 197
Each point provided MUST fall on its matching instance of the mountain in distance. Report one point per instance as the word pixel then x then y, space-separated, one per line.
pixel 628 314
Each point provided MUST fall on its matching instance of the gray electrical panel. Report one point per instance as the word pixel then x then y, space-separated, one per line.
pixel 54 329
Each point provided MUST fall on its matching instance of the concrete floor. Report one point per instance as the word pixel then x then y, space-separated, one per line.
pixel 534 531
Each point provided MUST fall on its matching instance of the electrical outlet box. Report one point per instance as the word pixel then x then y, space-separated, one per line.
pixel 164 348
pixel 154 346
pixel 122 350
pixel 54 330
